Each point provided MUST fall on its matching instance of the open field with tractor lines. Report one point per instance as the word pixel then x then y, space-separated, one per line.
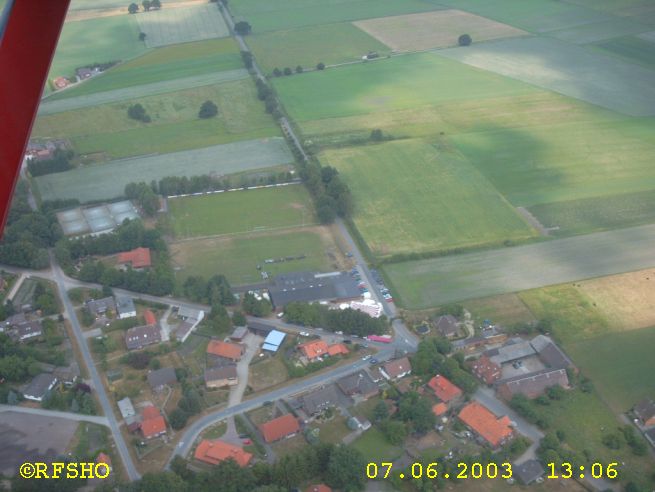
pixel 106 181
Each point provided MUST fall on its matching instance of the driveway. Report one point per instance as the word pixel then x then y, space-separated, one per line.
pixel 165 327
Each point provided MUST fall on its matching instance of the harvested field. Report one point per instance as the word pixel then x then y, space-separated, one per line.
pixel 241 211
pixel 194 23
pixel 568 69
pixel 438 29
pixel 427 283
pixel 108 181
pixel 151 89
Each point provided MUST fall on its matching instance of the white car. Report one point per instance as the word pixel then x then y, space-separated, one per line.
pixel 304 334
pixel 366 357
pixel 338 332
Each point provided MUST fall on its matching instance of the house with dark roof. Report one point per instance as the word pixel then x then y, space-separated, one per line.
pixel 13 320
pixel 239 333
pixel 312 287
pixel 39 387
pixel 396 369
pixel 533 384
pixel 280 428
pixel 319 400
pixel 141 336
pixel 358 384
pixel 260 329
pixel 528 471
pixel 645 412
pixel 218 377
pixel 125 307
pixel 191 318
pixel 447 326
pixel 495 431
pixel 25 331
pixel 161 377
pixel 100 307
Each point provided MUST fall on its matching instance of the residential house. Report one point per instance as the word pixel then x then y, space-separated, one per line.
pixel 25 331
pixel 486 370
pixel 153 424
pixel 100 307
pixel 319 400
pixel 439 409
pixel 358 384
pixel 141 336
pixel 161 377
pixel 337 349
pixel 125 307
pixel 645 412
pixel 447 326
pixel 528 471
pixel 60 83
pixel 218 377
pixel 39 387
pixel 279 428
pixel 313 349
pixel 215 451
pixel 104 459
pixel 225 350
pixel 396 369
pixel 191 318
pixel 444 389
pixel 126 408
pixel 138 258
pixel 493 430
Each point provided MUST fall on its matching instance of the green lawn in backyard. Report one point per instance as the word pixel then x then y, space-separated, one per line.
pixel 401 82
pixel 175 124
pixel 241 211
pixel 99 40
pixel 375 447
pixel 237 257
pixel 620 364
pixel 171 62
pixel 328 44
pixel 411 197
pixel 264 15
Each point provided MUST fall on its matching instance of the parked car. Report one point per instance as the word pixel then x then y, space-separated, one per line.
pixel 338 332
pixel 303 334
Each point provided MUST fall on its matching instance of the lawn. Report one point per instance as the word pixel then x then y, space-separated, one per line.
pixel 402 82
pixel 175 124
pixel 411 197
pixel 631 48
pixel 268 373
pixel 106 181
pixel 334 430
pixel 505 309
pixel 96 41
pixel 433 282
pixel 237 257
pixel 241 211
pixel 307 46
pixel 620 364
pixel 167 63
pixel 264 15
pixel 375 447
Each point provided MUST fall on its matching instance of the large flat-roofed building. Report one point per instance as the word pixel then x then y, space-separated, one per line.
pixel 39 387
pixel 273 340
pixel 312 287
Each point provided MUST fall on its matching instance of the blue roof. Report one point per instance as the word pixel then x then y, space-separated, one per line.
pixel 274 338
pixel 272 348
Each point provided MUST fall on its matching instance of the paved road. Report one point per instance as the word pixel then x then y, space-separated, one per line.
pixel 107 409
pixel 94 419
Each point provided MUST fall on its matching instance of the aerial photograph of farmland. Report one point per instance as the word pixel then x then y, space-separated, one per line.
pixel 327 245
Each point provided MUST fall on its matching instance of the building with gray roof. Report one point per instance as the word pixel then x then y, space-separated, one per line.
pixel 528 471
pixel 39 387
pixel 161 377
pixel 358 384
pixel 125 307
pixel 312 287
pixel 99 307
pixel 126 408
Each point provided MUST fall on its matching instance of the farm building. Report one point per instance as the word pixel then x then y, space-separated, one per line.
pixel 273 340
pixel 259 329
pixel 486 370
pixel 126 408
pixel 495 431
pixel 218 377
pixel 142 336
pixel 533 384
pixel 39 387
pixel 215 451
pixel 279 428
pixel 125 307
pixel 218 349
pixel 444 389
pixel 161 377
pixel 312 287
pixel 396 369
pixel 138 258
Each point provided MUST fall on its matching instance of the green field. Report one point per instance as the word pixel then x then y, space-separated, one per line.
pixel 434 282
pixel 398 83
pixel 96 41
pixel 375 446
pixel 241 211
pixel 237 257
pixel 411 197
pixel 307 46
pixel 620 364
pixel 107 181
pixel 599 31
pixel 631 48
pixel 162 64
pixel 175 124
pixel 265 15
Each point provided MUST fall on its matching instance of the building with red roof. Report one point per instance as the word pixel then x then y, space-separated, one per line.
pixel 439 409
pixel 279 428
pixel 137 258
pixel 444 389
pixel 337 349
pixel 496 431
pixel 153 424
pixel 150 317
pixel 486 370
pixel 313 349
pixel 215 451
pixel 105 459
pixel 226 350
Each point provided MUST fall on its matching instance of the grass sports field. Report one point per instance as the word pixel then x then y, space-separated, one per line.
pixel 241 211
pixel 438 29
pixel 167 63
pixel 415 197
pixel 567 69
pixel 96 41
pixel 620 364
pixel 433 282
pixel 98 98
pixel 398 83
pixel 174 26
pixel 237 256
pixel 175 125
pixel 106 181
pixel 264 15
pixel 307 46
